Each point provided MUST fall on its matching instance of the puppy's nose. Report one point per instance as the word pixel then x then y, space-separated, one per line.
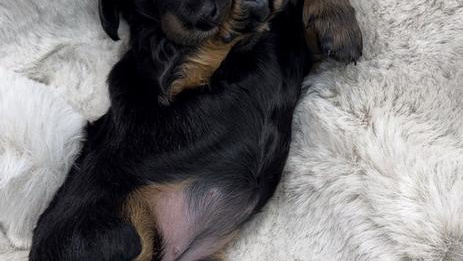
pixel 208 16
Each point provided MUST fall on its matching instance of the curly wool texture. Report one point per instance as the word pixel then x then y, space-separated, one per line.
pixel 376 168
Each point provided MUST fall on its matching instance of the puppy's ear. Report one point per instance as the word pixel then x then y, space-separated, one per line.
pixel 109 17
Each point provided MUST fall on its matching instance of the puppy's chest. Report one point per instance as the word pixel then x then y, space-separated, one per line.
pixel 208 137
pixel 213 137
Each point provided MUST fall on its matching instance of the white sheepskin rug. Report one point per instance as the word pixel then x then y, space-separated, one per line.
pixel 39 136
pixel 376 167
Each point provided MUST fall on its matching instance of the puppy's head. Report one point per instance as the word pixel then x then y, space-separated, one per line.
pixel 186 22
pixel 212 27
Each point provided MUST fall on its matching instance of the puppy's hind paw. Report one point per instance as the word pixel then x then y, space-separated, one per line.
pixel 336 28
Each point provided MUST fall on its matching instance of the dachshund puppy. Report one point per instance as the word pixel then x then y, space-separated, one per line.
pixel 174 179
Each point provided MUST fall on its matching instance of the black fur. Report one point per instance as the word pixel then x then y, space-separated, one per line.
pixel 233 136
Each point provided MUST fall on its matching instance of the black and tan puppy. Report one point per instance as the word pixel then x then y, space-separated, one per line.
pixel 173 179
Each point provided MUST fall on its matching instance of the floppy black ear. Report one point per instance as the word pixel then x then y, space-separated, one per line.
pixel 109 17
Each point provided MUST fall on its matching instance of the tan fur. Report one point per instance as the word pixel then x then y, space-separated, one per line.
pixel 137 210
pixel 218 257
pixel 195 72
pixel 138 213
pixel 320 16
pixel 199 67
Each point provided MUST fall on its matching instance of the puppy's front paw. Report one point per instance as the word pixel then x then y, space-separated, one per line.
pixel 336 27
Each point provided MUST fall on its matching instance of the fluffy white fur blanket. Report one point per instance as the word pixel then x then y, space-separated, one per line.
pixel 376 168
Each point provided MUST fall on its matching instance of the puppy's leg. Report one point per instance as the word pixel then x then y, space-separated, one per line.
pixel 138 213
pixel 84 222
pixel 335 25
pixel 76 230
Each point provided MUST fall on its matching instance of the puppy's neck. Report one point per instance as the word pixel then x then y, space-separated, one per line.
pixel 160 57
